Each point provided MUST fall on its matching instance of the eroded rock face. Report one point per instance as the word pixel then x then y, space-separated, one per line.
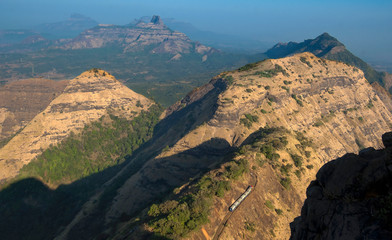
pixel 347 199
pixel 85 99
pixel 20 101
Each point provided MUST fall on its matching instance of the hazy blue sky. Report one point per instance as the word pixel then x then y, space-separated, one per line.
pixel 364 26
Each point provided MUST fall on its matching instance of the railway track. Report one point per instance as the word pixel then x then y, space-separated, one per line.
pixel 226 219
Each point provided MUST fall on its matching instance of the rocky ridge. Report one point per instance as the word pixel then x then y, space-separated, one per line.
pixel 85 99
pixel 350 198
pixel 329 102
pixel 328 47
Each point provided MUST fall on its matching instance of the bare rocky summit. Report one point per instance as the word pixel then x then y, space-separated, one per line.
pixel 85 99
pixel 350 198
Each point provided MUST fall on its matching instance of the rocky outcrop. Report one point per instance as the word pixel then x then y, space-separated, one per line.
pixel 350 198
pixel 86 98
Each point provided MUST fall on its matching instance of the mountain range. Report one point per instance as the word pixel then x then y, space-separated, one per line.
pixel 92 159
pixel 148 57
pixel 134 53
pixel 274 122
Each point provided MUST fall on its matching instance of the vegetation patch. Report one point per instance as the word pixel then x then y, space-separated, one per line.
pixel 100 145
pixel 279 211
pixel 250 226
pixel 286 88
pixel 249 120
pixel 229 79
pixel 304 60
pixel 269 205
pixel 324 118
pixel 285 169
pixel 174 219
pixel 370 104
pixel 247 67
pixel 299 102
pixel 297 160
pixel 272 72
pixel 286 182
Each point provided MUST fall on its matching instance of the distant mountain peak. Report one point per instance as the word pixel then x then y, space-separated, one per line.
pixel 320 46
pixel 328 47
pixel 78 16
pixel 156 20
pixel 327 40
pixel 325 35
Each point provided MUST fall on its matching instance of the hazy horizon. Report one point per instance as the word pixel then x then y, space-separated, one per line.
pixel 364 26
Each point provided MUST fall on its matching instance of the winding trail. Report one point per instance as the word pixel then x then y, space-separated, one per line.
pixel 226 219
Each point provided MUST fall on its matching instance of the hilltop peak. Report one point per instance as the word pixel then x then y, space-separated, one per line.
pixel 325 35
pixel 85 99
pixel 156 20
pixel 327 39
pixel 95 73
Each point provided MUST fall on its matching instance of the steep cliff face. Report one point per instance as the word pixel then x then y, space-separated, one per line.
pixel 86 98
pixel 328 102
pixel 323 99
pixel 20 101
pixel 137 37
pixel 350 198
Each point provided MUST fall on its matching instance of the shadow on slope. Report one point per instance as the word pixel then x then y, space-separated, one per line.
pixel 200 107
pixel 155 181
pixel 30 210
pixel 186 208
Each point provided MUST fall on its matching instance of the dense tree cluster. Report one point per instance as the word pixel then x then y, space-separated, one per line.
pixel 100 145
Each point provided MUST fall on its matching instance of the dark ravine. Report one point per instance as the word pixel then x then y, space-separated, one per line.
pixel 350 198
